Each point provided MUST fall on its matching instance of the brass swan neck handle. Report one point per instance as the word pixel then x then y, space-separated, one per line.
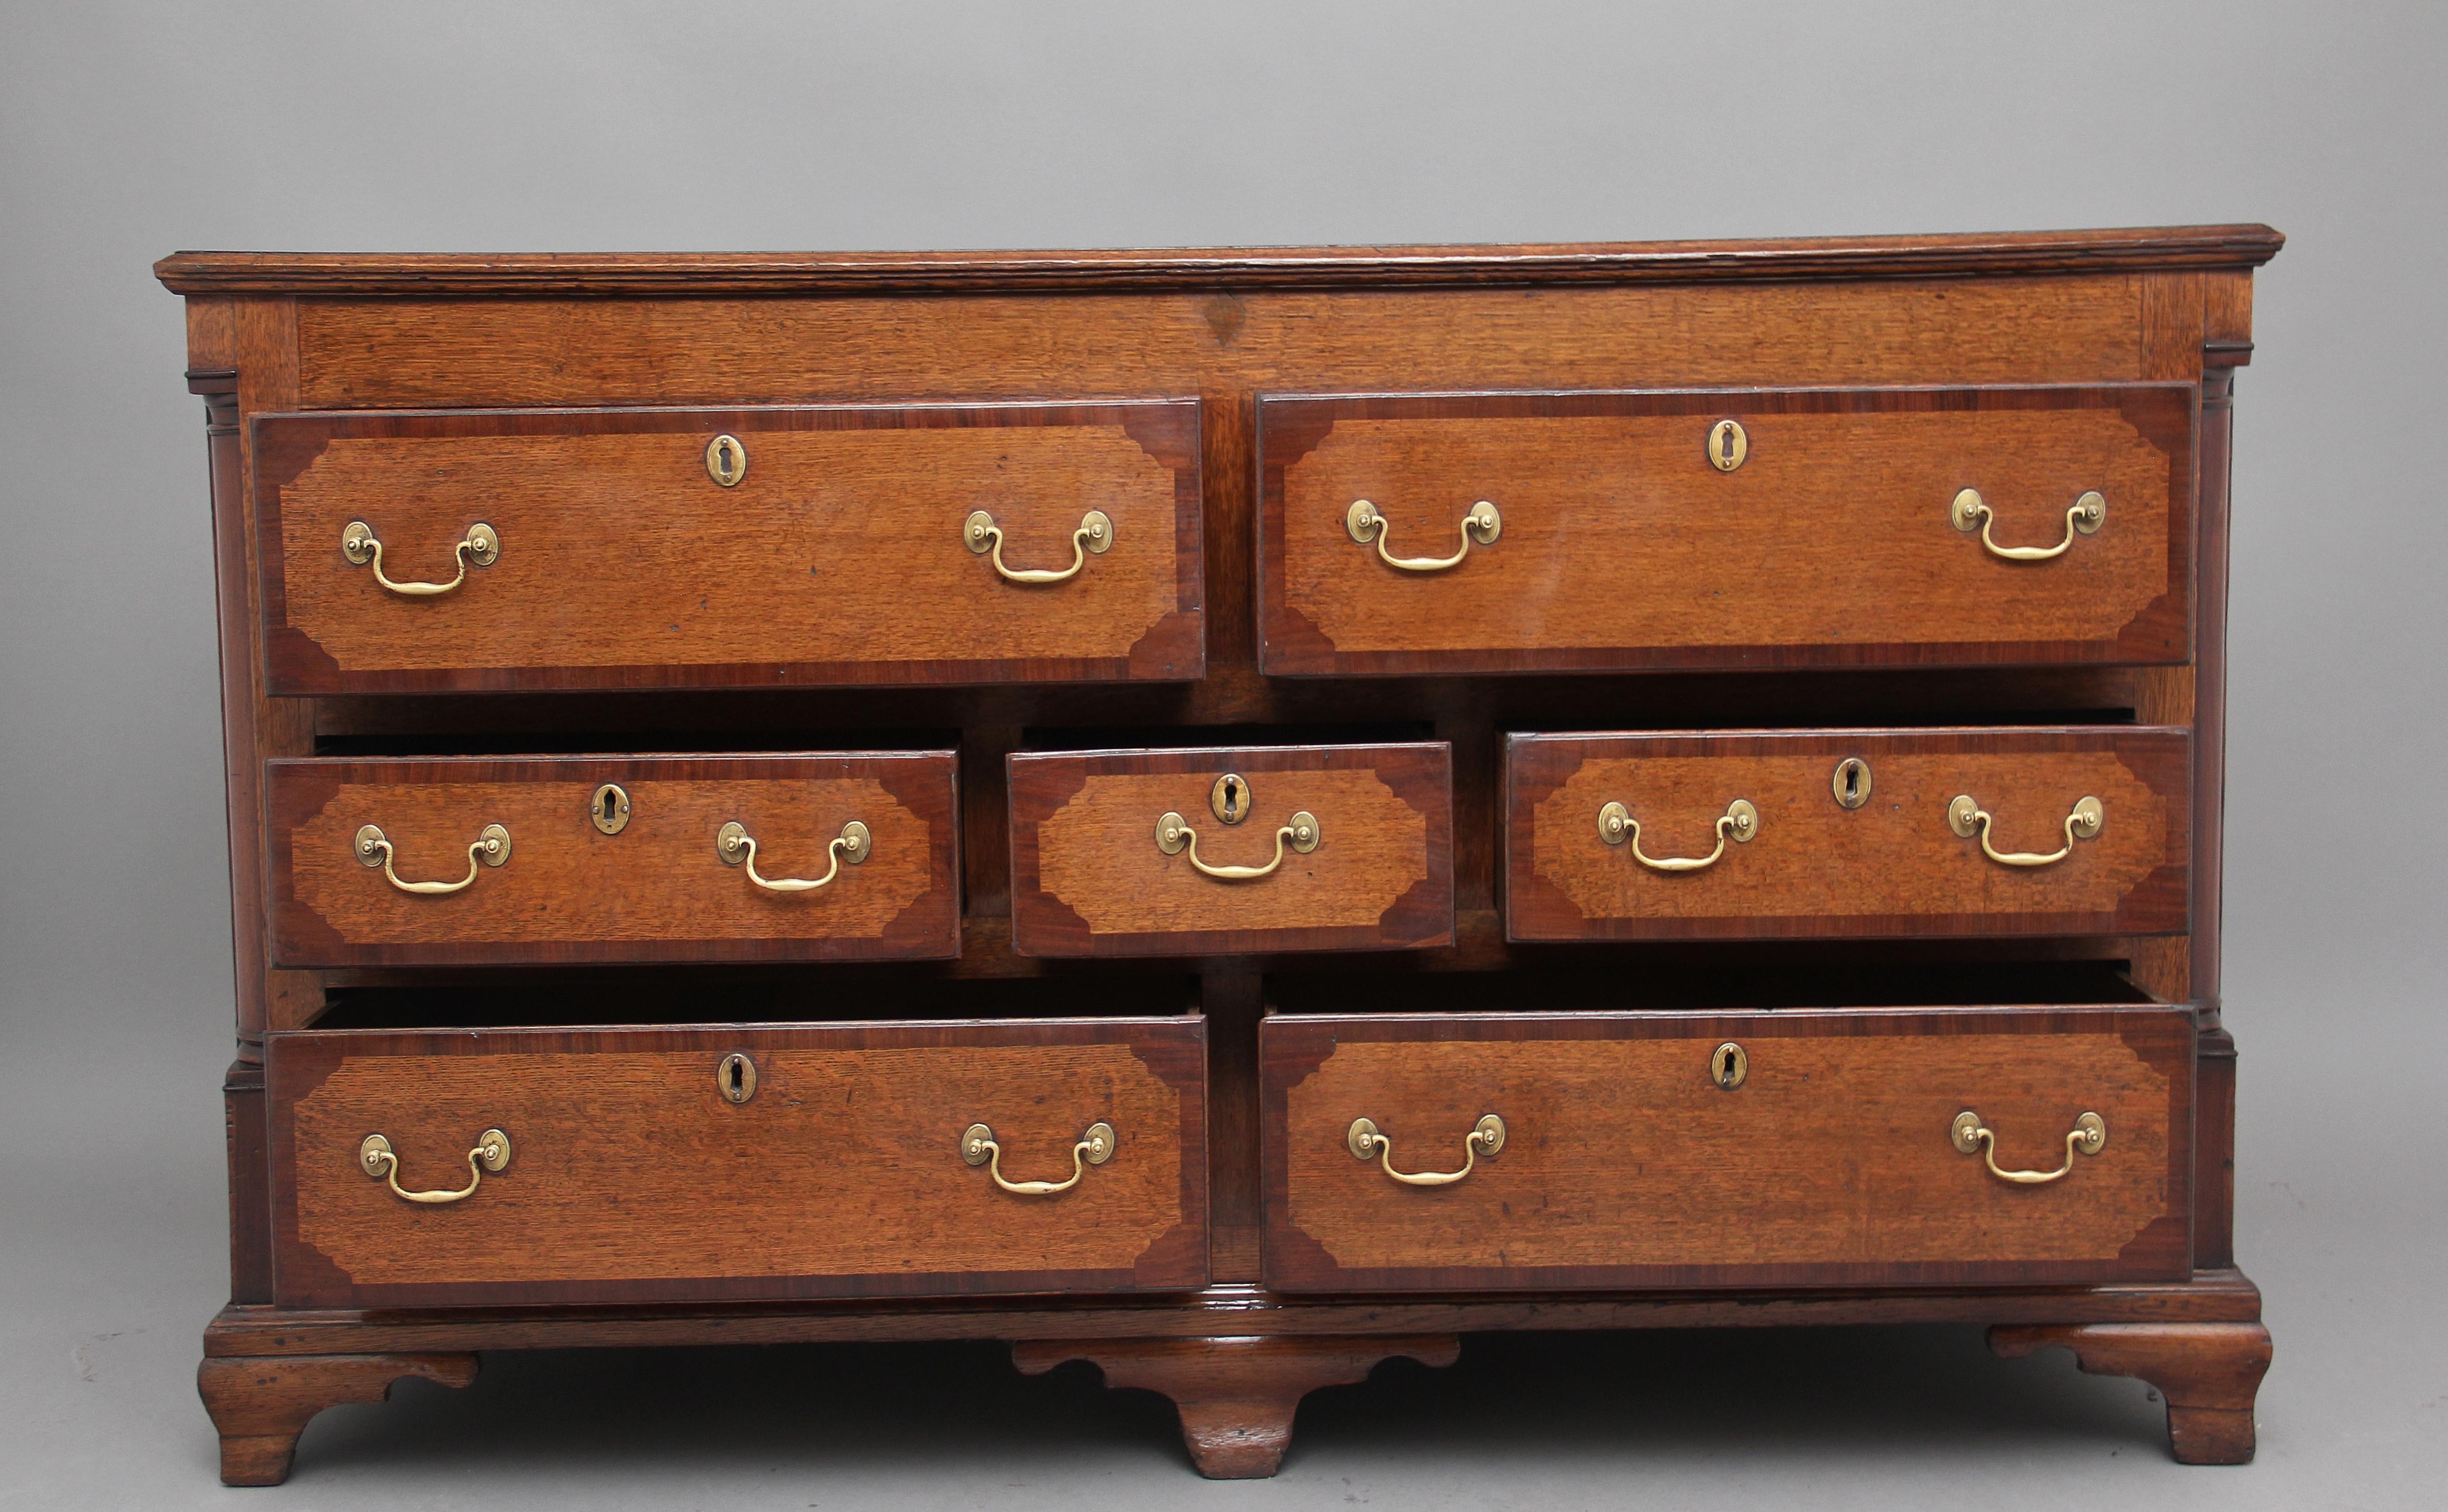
pixel 1096 1147
pixel 1481 524
pixel 738 848
pixel 1617 826
pixel 2084 516
pixel 374 849
pixel 1967 818
pixel 480 547
pixel 1174 835
pixel 378 1161
pixel 1095 533
pixel 1485 1137
pixel 1972 1136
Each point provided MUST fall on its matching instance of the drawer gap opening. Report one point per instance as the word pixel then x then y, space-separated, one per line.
pixel 1710 987
pixel 709 996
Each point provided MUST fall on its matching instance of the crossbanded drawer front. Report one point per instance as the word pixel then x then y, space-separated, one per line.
pixel 1604 531
pixel 841 551
pixel 1602 1150
pixel 1847 833
pixel 1332 847
pixel 538 1166
pixel 456 861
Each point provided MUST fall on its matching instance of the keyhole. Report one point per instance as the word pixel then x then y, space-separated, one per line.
pixel 1852 783
pixel 607 804
pixel 1229 798
pixel 735 1078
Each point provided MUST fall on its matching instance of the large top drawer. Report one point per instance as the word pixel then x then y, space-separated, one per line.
pixel 1620 531
pixel 785 546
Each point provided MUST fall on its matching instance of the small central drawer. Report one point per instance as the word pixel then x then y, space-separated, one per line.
pixel 865 1160
pixel 458 861
pixel 1212 852
pixel 1729 528
pixel 1864 1147
pixel 801 546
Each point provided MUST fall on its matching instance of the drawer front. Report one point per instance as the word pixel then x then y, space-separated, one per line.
pixel 1098 868
pixel 632 1175
pixel 1620 545
pixel 1748 835
pixel 668 882
pixel 1623 1163
pixel 840 553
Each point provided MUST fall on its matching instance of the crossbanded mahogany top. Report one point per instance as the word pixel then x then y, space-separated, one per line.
pixel 429 274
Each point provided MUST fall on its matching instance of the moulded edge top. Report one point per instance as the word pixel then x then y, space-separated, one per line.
pixel 544 275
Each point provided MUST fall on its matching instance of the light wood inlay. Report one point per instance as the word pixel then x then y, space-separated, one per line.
pixel 1100 854
pixel 1891 866
pixel 1090 879
pixel 841 1174
pixel 1623 546
pixel 1623 1159
pixel 657 891
pixel 839 558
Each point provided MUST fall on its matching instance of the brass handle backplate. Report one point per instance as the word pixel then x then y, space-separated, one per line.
pixel 492 1152
pixel 1617 826
pixel 738 848
pixel 1486 1136
pixel 1968 818
pixel 1174 835
pixel 2085 516
pixel 374 849
pixel 1096 1147
pixel 1482 525
pixel 1095 533
pixel 1972 1136
pixel 480 545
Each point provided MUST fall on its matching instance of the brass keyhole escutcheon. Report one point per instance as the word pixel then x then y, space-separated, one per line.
pixel 736 1078
pixel 1229 798
pixel 1728 445
pixel 1729 1066
pixel 608 810
pixel 1851 783
pixel 726 460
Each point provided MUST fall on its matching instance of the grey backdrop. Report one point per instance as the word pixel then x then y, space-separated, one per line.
pixel 127 132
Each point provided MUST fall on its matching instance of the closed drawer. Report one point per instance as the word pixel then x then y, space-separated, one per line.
pixel 1624 1163
pixel 473 860
pixel 631 1168
pixel 1835 832
pixel 1619 545
pixel 612 557
pixel 1331 848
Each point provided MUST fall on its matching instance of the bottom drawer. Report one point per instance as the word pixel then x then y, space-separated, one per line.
pixel 1584 1150
pixel 621 1165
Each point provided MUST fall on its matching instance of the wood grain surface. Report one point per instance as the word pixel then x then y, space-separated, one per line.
pixel 838 559
pixel 1088 878
pixel 658 891
pixel 1622 547
pixel 632 1177
pixel 1892 867
pixel 1625 1165
pixel 1236 1396
pixel 2208 1374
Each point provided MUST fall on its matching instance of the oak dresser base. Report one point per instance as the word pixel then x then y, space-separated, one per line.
pixel 1235 1360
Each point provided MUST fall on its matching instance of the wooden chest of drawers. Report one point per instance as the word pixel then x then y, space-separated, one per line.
pixel 1229 815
